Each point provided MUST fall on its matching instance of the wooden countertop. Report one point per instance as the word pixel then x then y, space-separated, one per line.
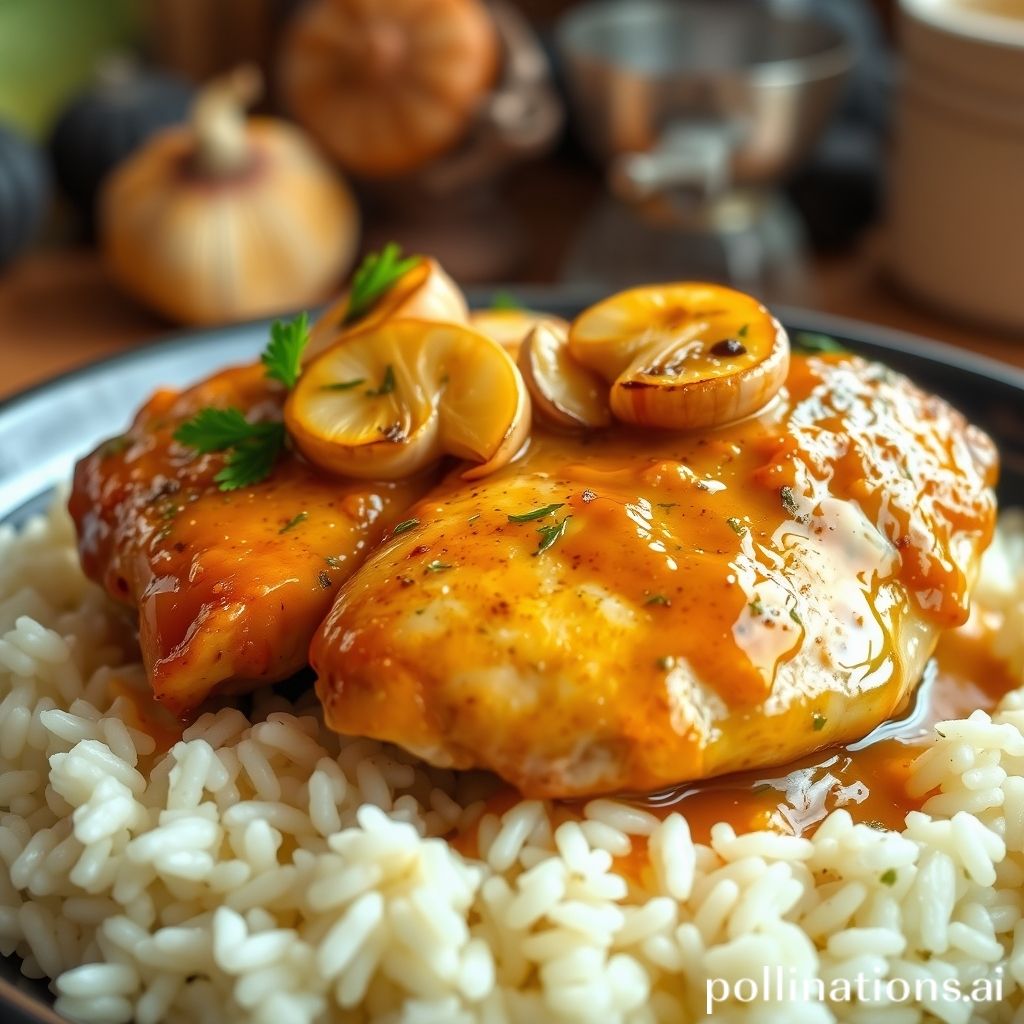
pixel 58 311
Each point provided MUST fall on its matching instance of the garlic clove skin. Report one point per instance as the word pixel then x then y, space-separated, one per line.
pixel 565 394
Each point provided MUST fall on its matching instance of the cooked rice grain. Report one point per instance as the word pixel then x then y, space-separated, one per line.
pixel 265 870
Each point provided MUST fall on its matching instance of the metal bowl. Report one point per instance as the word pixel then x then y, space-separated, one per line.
pixel 764 76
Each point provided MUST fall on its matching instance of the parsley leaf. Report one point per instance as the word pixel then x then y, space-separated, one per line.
pixel 888 877
pixel 387 385
pixel 294 521
pixel 737 526
pixel 282 358
pixel 537 513
pixel 344 385
pixel 253 447
pixel 376 275
pixel 404 526
pixel 809 342
pixel 504 300
pixel 818 721
pixel 438 566
pixel 550 534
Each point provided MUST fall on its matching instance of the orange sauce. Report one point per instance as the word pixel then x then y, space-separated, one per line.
pixel 868 777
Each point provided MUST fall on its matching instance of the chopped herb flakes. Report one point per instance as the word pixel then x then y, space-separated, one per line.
pixel 789 502
pixel 405 526
pixel 537 513
pixel 756 606
pixel 324 579
pixel 818 721
pixel 344 385
pixel 550 534
pixel 737 527
pixel 335 561
pixel 658 599
pixel 438 566
pixel 888 877
pixel 742 332
pixel 387 385
pixel 293 522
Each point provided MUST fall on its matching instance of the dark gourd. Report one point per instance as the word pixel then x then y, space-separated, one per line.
pixel 24 193
pixel 123 108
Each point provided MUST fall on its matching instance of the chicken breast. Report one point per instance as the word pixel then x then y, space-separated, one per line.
pixel 230 585
pixel 636 609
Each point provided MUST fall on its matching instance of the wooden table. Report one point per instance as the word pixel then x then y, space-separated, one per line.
pixel 58 311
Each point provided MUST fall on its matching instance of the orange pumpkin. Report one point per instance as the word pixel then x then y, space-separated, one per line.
pixel 386 87
pixel 227 218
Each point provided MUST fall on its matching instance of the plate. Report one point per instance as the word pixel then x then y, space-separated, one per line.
pixel 44 430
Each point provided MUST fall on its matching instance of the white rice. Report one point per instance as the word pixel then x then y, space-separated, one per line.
pixel 264 870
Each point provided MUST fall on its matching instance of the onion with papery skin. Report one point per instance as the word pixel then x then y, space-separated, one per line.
pixel 227 218
pixel 387 87
pixel 390 400
pixel 424 292
pixel 683 356
pixel 564 393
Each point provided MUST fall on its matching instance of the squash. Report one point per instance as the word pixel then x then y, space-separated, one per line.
pixel 227 218
pixel 386 88
pixel 24 193
pixel 107 122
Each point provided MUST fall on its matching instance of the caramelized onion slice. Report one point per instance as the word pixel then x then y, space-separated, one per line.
pixel 564 393
pixel 424 292
pixel 683 356
pixel 510 327
pixel 392 399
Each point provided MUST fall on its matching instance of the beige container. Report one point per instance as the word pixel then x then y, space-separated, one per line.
pixel 956 223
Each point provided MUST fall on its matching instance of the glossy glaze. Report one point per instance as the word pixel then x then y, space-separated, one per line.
pixel 228 593
pixel 714 602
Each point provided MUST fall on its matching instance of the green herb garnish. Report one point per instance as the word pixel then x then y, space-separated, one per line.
pixel 114 446
pixel 756 606
pixel 505 300
pixel 794 615
pixel 810 342
pixel 438 566
pixel 377 274
pixel 252 448
pixel 282 358
pixel 550 534
pixel 737 526
pixel 789 502
pixel 387 385
pixel 344 385
pixel 294 521
pixel 334 561
pixel 742 332
pixel 537 513
pixel 658 599
pixel 818 721
pixel 404 526
pixel 888 877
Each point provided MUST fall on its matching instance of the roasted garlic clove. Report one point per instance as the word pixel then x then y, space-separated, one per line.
pixel 683 356
pixel 394 398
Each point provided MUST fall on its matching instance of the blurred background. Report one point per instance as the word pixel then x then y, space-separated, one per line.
pixel 168 163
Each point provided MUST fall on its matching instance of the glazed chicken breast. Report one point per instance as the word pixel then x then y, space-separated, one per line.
pixel 629 610
pixel 229 585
